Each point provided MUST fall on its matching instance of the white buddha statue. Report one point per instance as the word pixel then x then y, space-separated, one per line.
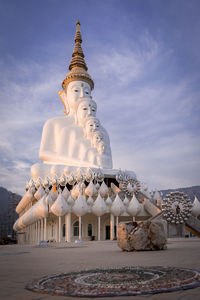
pixel 64 141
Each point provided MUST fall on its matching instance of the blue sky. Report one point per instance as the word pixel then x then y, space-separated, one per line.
pixel 144 59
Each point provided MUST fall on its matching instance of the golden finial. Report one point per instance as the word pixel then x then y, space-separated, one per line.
pixel 78 67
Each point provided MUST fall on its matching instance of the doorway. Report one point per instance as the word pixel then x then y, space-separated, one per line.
pixel 108 232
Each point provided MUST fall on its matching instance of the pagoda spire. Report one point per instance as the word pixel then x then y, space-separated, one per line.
pixel 77 67
pixel 78 55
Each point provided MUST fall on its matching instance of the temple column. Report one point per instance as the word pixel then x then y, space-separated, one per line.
pixel 28 235
pixel 42 229
pixel 112 227
pixel 99 228
pixel 68 227
pixel 38 236
pixel 36 232
pixel 80 233
pixel 45 229
pixel 32 233
pixel 28 230
pixel 59 229
pixel 117 222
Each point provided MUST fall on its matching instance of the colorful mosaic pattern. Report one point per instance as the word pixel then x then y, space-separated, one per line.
pixel 127 281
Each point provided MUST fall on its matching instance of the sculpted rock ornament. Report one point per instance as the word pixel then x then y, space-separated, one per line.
pixel 71 179
pixel 128 183
pixel 99 176
pixel 89 175
pixel 176 207
pixel 62 180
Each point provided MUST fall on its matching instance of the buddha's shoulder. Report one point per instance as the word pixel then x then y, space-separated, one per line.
pixel 59 121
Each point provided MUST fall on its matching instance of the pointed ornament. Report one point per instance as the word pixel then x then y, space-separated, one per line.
pixel 60 206
pixel 99 208
pixel 196 207
pixel 117 207
pixel 66 193
pixel 134 207
pixel 103 190
pixel 40 193
pixel 80 207
pixel 91 190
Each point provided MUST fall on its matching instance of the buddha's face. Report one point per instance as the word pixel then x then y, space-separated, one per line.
pixel 97 138
pixel 77 90
pixel 86 109
pixel 101 147
pixel 91 126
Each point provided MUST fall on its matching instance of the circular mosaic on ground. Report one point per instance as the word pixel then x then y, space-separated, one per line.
pixel 127 281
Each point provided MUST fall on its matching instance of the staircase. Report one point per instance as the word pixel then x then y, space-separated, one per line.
pixel 193 225
pixel 151 208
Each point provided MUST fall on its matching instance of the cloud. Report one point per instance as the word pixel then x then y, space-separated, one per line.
pixel 152 119
pixel 25 104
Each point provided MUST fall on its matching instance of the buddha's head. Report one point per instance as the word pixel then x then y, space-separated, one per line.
pixel 92 124
pixel 75 91
pixel 86 108
pixel 101 147
pixel 97 137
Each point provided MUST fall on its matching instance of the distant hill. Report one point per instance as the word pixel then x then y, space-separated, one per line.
pixel 8 215
pixel 190 191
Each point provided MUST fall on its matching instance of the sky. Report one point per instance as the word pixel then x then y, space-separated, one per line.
pixel 144 57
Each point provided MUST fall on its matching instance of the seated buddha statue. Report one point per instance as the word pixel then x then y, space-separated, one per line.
pixel 63 138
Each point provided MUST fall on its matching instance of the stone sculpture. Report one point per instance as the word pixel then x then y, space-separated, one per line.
pixel 148 235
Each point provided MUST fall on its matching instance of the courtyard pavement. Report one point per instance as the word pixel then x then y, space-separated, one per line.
pixel 20 265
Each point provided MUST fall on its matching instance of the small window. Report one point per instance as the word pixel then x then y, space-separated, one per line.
pixel 89 229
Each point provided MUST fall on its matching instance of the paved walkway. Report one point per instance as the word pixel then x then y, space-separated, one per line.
pixel 20 265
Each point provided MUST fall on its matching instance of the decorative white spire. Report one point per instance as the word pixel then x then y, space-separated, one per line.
pixel 134 207
pixel 196 207
pixel 103 190
pixel 99 208
pixel 117 207
pixel 80 207
pixel 60 206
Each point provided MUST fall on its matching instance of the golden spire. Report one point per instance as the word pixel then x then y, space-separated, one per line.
pixel 78 67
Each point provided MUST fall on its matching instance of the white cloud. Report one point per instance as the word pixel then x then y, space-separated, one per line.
pixel 150 120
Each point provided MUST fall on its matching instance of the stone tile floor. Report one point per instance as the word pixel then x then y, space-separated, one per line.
pixel 20 265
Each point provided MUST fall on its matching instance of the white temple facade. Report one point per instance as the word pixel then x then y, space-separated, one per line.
pixel 74 193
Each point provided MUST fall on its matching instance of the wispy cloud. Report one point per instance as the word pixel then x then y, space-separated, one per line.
pixel 150 111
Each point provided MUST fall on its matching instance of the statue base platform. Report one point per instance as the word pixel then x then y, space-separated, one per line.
pixel 43 170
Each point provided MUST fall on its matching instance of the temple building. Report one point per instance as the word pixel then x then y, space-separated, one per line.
pixel 74 193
